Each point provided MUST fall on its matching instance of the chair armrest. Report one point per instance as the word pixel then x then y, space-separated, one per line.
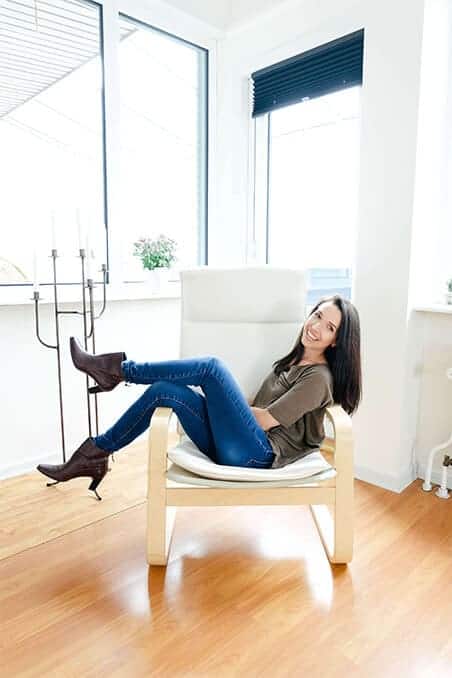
pixel 343 436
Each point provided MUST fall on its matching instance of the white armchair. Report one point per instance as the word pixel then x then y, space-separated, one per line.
pixel 249 317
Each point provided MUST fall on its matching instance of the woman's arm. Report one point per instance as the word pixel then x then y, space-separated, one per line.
pixel 264 418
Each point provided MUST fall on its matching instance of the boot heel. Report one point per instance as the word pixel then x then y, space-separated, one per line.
pixel 94 483
pixel 95 389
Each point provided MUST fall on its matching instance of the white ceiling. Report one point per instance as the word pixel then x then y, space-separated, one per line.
pixel 225 14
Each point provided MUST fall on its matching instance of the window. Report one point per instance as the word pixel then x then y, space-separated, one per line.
pixel 313 189
pixel 307 167
pixel 57 150
pixel 163 98
pixel 51 136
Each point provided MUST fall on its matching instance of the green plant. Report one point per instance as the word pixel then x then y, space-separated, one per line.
pixel 449 285
pixel 155 252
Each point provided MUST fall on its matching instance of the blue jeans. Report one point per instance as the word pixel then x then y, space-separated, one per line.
pixel 220 422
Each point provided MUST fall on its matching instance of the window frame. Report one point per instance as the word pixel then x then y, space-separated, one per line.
pixel 186 30
pixel 203 156
pixel 177 25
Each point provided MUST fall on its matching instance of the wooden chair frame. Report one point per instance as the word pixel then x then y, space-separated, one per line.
pixel 336 530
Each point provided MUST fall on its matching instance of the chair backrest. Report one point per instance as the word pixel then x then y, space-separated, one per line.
pixel 249 317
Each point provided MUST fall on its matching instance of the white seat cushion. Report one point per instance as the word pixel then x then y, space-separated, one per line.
pixel 187 456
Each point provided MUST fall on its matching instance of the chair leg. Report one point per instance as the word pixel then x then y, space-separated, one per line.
pixel 160 517
pixel 160 528
pixel 336 532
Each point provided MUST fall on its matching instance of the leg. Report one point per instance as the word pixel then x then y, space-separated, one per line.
pixel 189 406
pixel 238 438
pixel 91 457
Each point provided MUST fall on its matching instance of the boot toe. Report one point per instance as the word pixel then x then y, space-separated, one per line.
pixel 50 470
pixel 77 353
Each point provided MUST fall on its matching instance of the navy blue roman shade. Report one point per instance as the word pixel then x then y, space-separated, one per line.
pixel 328 68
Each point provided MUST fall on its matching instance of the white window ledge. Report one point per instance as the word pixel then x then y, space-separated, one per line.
pixel 434 308
pixel 23 295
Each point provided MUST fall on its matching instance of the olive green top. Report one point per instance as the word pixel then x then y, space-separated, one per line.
pixel 297 399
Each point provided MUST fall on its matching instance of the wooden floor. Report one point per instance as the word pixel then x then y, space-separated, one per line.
pixel 33 513
pixel 248 592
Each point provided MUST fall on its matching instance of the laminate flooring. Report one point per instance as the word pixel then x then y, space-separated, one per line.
pixel 248 591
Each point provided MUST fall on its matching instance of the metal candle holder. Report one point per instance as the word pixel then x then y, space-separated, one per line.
pixel 87 313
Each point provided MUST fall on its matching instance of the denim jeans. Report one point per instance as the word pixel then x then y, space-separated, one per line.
pixel 219 421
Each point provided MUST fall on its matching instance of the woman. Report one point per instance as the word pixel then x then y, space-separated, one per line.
pixel 283 423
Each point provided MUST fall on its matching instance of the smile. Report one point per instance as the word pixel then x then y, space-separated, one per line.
pixel 310 336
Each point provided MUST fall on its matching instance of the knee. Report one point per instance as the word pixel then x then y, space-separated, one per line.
pixel 155 394
pixel 213 364
pixel 161 389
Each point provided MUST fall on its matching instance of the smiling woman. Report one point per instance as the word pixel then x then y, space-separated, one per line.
pixel 282 424
pixel 331 336
pixel 320 332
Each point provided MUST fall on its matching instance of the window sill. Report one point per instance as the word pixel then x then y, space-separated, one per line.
pixel 22 295
pixel 434 308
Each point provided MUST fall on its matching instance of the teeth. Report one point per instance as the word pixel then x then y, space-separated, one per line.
pixel 310 336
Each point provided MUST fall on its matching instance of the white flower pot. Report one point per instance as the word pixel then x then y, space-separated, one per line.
pixel 448 296
pixel 157 279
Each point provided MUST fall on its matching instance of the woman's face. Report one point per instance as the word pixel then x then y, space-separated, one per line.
pixel 321 327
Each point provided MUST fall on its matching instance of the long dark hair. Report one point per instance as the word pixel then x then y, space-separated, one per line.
pixel 344 359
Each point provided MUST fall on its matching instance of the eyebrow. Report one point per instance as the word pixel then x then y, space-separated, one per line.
pixel 331 323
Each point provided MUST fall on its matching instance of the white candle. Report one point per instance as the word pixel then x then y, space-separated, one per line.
pixel 54 240
pixel 88 257
pixel 79 228
pixel 35 272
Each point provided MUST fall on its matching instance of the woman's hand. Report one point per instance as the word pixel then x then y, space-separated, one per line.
pixel 264 418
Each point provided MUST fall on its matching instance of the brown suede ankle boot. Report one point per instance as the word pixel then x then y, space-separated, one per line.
pixel 105 369
pixel 88 460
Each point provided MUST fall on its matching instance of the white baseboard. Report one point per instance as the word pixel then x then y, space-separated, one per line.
pixel 436 475
pixel 29 464
pixel 388 481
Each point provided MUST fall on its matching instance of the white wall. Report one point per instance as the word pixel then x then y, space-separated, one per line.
pixel 216 13
pixel 431 262
pixel 390 97
pixel 29 411
pixel 428 392
pixel 226 14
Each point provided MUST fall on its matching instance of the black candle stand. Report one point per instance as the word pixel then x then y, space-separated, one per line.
pixel 89 333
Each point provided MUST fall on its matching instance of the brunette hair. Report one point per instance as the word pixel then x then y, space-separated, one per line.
pixel 344 359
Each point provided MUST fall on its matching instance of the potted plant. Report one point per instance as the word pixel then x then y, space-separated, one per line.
pixel 449 291
pixel 157 255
